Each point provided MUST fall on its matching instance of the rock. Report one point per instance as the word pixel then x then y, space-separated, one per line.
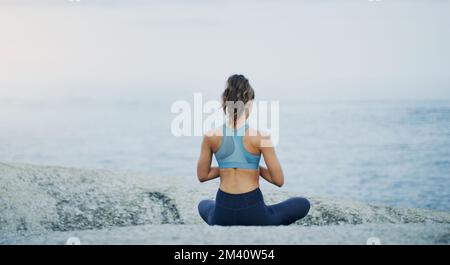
pixel 39 199
pixel 272 235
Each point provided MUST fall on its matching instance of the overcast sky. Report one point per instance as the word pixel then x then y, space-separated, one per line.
pixel 295 49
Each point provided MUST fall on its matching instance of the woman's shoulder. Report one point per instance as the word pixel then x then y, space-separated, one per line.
pixel 257 133
pixel 213 138
pixel 214 132
pixel 257 137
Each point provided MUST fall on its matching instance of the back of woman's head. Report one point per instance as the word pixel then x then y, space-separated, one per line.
pixel 236 95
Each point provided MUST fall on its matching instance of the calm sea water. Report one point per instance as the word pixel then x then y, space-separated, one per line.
pixel 395 152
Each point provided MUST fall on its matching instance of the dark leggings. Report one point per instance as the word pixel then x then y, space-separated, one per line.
pixel 249 209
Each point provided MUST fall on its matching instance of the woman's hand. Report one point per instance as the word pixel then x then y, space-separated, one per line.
pixel 265 174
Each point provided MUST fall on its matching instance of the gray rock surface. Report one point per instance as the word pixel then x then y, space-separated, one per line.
pixel 200 234
pixel 44 204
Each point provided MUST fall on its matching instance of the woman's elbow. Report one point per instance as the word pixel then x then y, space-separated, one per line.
pixel 277 176
pixel 202 177
pixel 279 183
pixel 279 180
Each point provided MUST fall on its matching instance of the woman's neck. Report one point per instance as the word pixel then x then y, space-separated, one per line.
pixel 239 123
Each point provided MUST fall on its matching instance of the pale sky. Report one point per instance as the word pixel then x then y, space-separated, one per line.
pixel 296 49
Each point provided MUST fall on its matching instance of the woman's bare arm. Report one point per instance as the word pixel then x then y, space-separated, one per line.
pixel 273 173
pixel 265 174
pixel 212 174
pixel 204 170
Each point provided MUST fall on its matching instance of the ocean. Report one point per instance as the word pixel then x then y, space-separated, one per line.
pixel 390 152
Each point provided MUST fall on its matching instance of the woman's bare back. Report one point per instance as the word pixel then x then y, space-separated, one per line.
pixel 236 180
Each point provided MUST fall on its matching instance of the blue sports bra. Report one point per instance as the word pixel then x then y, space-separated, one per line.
pixel 232 153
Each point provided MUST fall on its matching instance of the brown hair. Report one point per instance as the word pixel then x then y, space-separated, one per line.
pixel 237 93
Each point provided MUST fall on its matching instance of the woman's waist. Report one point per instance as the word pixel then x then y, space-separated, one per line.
pixel 237 181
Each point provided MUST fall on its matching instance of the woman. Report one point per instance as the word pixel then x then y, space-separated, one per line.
pixel 238 150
